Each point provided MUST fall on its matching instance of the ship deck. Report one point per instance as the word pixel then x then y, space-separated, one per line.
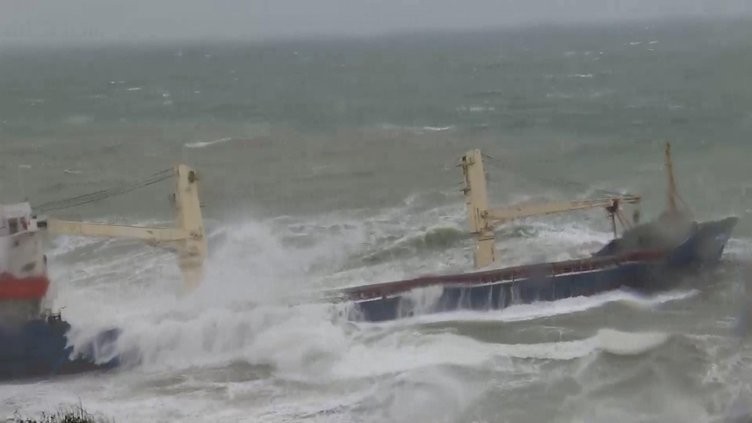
pixel 493 276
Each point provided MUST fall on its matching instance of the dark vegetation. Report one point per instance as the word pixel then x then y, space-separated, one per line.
pixel 75 414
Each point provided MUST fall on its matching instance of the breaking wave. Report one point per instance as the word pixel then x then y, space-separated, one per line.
pixel 244 313
pixel 251 274
pixel 304 343
pixel 539 310
pixel 404 351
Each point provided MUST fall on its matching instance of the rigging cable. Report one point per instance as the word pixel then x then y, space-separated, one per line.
pixel 497 164
pixel 103 194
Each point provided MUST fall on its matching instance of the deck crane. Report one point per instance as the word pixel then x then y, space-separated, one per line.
pixel 483 219
pixel 186 238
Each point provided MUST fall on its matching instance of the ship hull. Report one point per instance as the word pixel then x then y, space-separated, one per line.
pixel 645 272
pixel 39 348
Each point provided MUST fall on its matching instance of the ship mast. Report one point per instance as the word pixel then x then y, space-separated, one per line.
pixel 483 219
pixel 676 206
pixel 476 199
pixel 671 193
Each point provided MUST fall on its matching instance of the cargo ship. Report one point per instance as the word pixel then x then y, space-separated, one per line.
pixel 33 339
pixel 646 258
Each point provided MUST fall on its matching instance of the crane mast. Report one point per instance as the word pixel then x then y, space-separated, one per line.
pixel 186 238
pixel 483 219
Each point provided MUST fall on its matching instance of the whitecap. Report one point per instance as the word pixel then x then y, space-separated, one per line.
pixel 476 109
pixel 628 343
pixel 544 309
pixel 204 144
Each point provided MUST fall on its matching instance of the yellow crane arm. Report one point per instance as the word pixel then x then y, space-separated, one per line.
pixel 187 237
pixel 483 219
pixel 516 212
pixel 149 235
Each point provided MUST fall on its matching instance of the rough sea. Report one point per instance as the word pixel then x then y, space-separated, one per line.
pixel 332 162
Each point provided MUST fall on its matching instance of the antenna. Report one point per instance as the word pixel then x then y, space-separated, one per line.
pixel 671 194
pixel 21 187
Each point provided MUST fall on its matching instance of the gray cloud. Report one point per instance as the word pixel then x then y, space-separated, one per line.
pixel 103 20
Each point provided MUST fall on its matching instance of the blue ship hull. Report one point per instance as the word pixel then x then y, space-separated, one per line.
pixel 39 348
pixel 497 289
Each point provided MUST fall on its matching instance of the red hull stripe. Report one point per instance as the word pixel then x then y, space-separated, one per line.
pixel 33 288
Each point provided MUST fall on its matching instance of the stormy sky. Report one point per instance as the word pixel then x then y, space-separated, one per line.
pixel 56 21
